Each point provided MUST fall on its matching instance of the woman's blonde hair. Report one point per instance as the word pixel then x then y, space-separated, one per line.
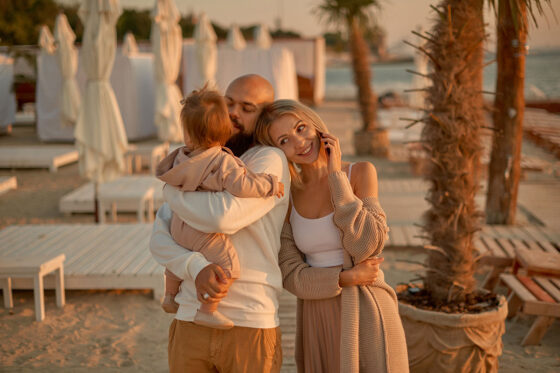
pixel 278 109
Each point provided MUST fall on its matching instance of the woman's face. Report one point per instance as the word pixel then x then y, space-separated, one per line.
pixel 297 139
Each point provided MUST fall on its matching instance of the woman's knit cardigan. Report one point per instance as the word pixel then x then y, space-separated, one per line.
pixel 372 334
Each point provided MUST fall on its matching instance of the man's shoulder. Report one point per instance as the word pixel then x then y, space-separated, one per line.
pixel 263 151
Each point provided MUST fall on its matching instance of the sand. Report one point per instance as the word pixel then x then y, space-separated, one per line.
pixel 127 330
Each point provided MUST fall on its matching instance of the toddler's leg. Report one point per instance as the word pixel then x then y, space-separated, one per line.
pixel 209 316
pixel 172 284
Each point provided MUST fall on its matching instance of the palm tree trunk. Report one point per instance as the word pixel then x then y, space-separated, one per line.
pixel 452 138
pixel 509 106
pixel 362 75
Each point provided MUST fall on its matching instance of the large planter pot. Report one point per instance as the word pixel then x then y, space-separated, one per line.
pixel 442 342
pixel 375 143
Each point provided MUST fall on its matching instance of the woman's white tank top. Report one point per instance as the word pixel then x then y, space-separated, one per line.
pixel 319 239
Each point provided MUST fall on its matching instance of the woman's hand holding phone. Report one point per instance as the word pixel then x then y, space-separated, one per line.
pixel 332 148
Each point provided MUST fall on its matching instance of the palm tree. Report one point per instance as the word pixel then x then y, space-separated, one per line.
pixel 356 15
pixel 509 107
pixel 451 137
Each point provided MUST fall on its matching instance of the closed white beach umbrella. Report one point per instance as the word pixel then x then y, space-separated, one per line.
pixel 129 47
pixel 262 37
pixel 100 135
pixel 206 51
pixel 67 58
pixel 166 44
pixel 46 40
pixel 235 38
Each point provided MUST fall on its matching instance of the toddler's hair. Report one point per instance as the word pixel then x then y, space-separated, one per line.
pixel 205 118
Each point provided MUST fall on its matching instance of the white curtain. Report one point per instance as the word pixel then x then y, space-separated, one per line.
pixel 100 135
pixel 67 58
pixel 166 43
pixel 235 38
pixel 262 37
pixel 206 52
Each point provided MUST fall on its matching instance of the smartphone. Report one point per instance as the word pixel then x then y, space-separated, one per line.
pixel 326 149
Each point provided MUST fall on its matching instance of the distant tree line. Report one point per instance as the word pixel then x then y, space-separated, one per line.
pixel 21 20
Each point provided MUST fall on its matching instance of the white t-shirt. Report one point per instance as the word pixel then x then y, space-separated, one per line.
pixel 254 226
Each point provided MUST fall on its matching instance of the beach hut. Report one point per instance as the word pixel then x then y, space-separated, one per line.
pixel 67 58
pixel 100 135
pixel 166 44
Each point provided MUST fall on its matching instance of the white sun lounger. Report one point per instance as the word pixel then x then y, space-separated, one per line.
pixel 113 256
pixel 80 200
pixel 50 157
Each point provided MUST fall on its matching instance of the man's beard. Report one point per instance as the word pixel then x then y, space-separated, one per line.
pixel 240 143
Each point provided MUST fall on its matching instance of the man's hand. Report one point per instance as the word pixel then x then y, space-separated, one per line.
pixel 211 284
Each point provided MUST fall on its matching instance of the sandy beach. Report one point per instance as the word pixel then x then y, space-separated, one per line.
pixel 124 330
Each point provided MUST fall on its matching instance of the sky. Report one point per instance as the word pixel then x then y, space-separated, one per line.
pixel 397 17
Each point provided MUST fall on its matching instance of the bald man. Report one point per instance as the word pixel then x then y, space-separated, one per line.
pixel 254 226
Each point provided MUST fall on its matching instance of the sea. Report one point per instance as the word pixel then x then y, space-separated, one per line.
pixel 542 77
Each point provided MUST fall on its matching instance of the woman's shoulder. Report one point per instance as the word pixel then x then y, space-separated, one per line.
pixel 364 179
pixel 363 170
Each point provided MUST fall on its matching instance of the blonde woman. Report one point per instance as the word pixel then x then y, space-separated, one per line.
pixel 347 316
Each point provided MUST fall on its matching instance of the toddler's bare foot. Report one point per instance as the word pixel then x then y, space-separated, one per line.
pixel 169 305
pixel 214 320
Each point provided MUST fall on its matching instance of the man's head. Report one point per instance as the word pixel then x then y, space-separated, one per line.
pixel 245 98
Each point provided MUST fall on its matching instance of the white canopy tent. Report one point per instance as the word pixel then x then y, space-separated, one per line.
pixel 235 39
pixel 206 51
pixel 99 133
pixel 133 82
pixel 67 58
pixel 166 44
pixel 8 101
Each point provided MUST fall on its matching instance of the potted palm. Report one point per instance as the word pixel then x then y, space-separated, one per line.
pixel 450 325
pixel 357 15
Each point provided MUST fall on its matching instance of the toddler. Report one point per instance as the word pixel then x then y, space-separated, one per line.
pixel 205 164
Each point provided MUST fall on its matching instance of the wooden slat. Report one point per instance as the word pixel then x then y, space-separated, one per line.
pixel 547 285
pixel 535 289
pixel 513 283
pixel 533 245
pixel 494 248
pixel 506 246
pixel 125 252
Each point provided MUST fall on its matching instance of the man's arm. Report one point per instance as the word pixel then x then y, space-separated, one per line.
pixel 183 263
pixel 211 212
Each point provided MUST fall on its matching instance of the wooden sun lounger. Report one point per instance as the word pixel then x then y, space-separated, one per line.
pixel 498 245
pixel 114 256
pixel 50 157
pixel 7 183
pixel 536 295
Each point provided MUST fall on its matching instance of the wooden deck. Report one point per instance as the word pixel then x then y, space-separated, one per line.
pixel 112 256
pixel 80 200
pixel 7 183
pixel 50 157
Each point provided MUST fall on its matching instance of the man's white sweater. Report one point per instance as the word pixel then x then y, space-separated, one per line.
pixel 254 225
